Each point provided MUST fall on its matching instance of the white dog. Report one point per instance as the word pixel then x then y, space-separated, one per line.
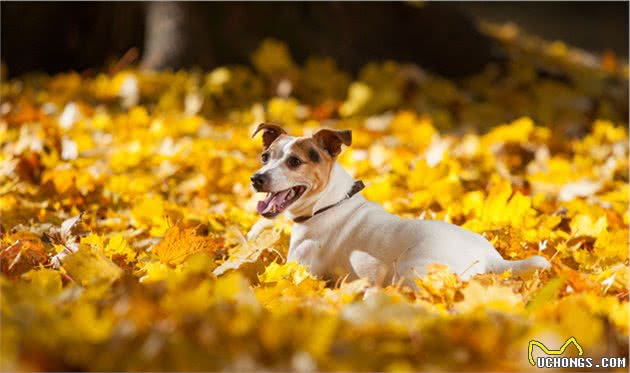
pixel 337 232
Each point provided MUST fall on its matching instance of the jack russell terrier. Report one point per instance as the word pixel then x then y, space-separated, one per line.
pixel 337 232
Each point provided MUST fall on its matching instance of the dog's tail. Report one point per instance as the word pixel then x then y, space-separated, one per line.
pixel 520 267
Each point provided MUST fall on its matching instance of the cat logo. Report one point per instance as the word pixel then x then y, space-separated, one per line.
pixel 547 351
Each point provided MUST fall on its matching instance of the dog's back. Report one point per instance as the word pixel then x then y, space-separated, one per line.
pixel 364 240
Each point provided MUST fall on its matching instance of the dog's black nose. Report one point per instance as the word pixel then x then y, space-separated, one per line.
pixel 258 180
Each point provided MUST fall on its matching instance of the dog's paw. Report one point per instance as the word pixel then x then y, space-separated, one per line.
pixel 371 292
pixel 260 225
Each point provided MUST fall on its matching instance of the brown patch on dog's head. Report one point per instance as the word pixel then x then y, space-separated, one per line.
pixel 315 166
pixel 270 134
pixel 331 140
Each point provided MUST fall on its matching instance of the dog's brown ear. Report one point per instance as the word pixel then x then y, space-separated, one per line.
pixel 331 140
pixel 270 134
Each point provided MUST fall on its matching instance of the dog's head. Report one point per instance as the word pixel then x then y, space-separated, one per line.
pixel 295 170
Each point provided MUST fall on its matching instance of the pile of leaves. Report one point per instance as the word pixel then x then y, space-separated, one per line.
pixel 125 206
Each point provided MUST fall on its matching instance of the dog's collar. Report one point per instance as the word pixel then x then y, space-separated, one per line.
pixel 356 188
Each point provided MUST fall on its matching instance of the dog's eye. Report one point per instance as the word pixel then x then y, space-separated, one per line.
pixel 294 162
pixel 264 157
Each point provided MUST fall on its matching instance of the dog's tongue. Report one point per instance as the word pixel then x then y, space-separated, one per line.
pixel 273 200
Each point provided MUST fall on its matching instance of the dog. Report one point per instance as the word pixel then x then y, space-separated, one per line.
pixel 338 233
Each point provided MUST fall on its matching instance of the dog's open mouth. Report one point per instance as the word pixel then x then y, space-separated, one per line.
pixel 276 202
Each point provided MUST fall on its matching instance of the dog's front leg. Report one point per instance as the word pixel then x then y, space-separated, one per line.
pixel 367 266
pixel 308 253
pixel 259 226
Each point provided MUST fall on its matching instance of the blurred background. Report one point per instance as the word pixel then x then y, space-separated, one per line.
pixel 442 37
pixel 469 65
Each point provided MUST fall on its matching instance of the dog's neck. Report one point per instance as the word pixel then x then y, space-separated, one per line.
pixel 339 183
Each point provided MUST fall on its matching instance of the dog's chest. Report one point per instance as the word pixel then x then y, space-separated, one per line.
pixel 325 243
pixel 316 248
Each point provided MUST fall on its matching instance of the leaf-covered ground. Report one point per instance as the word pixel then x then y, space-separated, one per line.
pixel 125 205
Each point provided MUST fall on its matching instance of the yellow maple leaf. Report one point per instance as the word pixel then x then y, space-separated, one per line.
pixel 150 213
pixel 292 271
pixel 584 225
pixel 179 243
pixel 117 245
pixel 90 267
pixel 612 245
pixel 500 298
